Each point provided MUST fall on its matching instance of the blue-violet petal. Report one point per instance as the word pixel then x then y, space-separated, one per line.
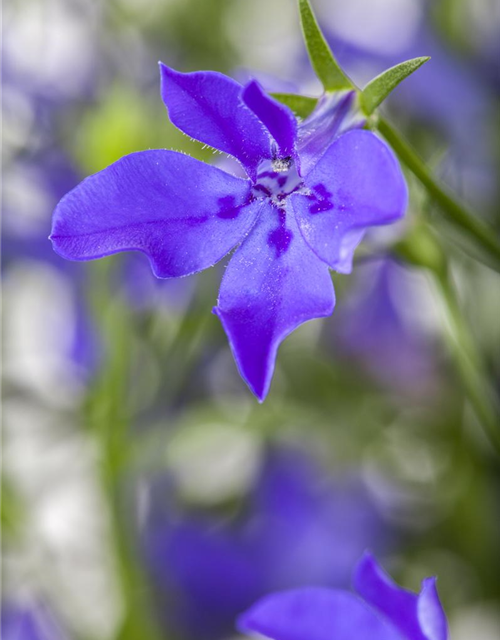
pixel 273 284
pixel 357 184
pixel 207 106
pixel 315 613
pixel 279 120
pixel 185 215
pixel 418 617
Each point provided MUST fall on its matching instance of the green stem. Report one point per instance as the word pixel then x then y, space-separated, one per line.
pixel 468 362
pixel 457 213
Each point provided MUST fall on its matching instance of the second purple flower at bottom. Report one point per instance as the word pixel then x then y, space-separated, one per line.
pixel 381 611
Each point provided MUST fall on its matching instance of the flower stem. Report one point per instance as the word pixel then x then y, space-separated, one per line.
pixel 456 212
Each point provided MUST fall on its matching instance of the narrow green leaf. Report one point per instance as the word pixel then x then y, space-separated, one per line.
pixel 380 87
pixel 302 106
pixel 322 59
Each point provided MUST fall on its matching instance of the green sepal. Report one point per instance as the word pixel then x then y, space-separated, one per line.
pixel 322 59
pixel 377 90
pixel 302 106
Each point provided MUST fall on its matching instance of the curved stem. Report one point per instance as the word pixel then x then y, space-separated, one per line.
pixel 456 212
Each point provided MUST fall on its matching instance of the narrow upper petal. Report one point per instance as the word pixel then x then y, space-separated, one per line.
pixel 430 612
pixel 279 120
pixel 333 115
pixel 357 183
pixel 184 214
pixel 273 284
pixel 315 614
pixel 418 617
pixel 207 105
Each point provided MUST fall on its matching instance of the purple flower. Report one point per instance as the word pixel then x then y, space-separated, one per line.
pixel 311 191
pixel 33 622
pixel 379 327
pixel 380 611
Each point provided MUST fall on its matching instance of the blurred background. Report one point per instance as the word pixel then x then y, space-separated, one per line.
pixel 146 494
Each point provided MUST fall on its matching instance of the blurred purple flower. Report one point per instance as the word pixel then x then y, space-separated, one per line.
pixel 143 292
pixel 298 527
pixel 380 611
pixel 447 91
pixel 378 326
pixel 36 185
pixel 311 192
pixel 28 623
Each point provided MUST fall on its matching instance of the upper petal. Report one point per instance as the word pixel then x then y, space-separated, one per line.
pixel 315 614
pixel 418 617
pixel 334 114
pixel 430 613
pixel 207 106
pixel 273 284
pixel 279 120
pixel 184 214
pixel 357 183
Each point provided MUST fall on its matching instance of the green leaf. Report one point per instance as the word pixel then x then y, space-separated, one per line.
pixel 302 106
pixel 380 87
pixel 322 59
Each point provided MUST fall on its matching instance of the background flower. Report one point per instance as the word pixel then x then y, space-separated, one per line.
pixel 296 526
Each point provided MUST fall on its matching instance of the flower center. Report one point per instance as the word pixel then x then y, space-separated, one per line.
pixel 282 165
pixel 276 180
